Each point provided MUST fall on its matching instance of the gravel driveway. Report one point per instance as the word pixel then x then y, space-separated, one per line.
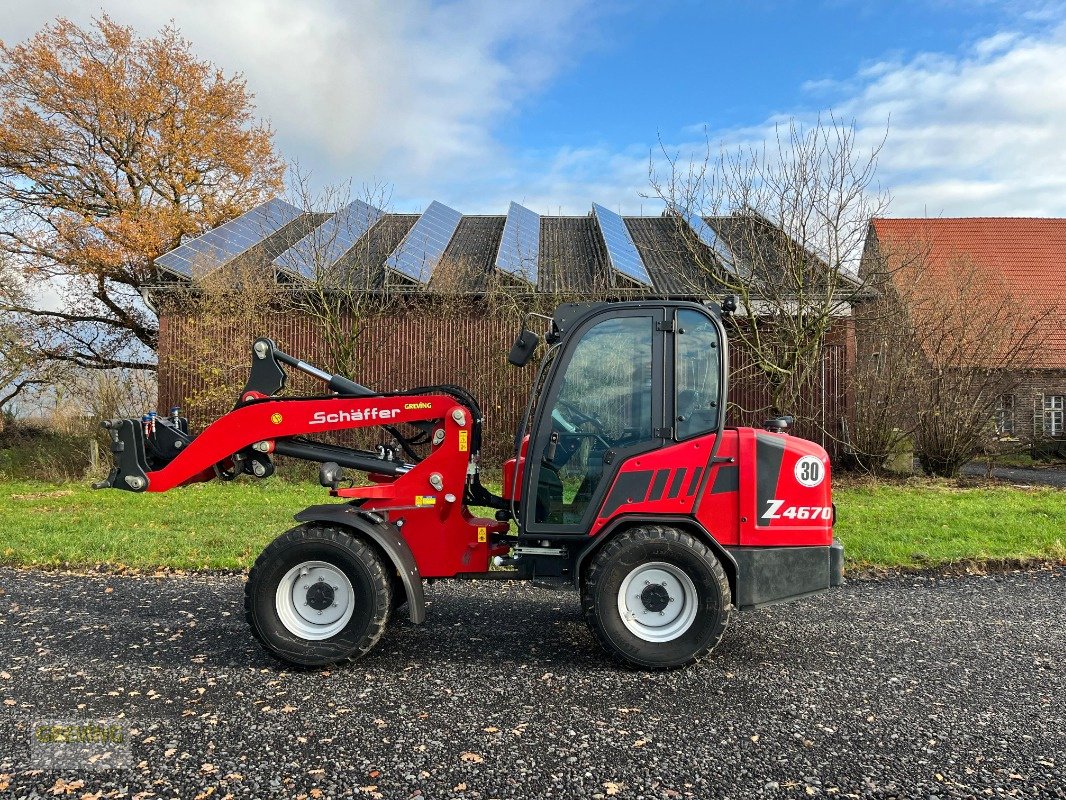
pixel 908 686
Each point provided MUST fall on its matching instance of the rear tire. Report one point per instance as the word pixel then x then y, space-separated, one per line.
pixel 317 596
pixel 656 598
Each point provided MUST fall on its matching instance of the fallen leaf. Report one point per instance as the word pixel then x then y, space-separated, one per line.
pixel 316 792
pixel 640 742
pixel 472 758
pixel 461 787
pixel 755 738
pixel 63 787
pixel 5 675
pixel 287 709
pixel 612 787
pixel 208 768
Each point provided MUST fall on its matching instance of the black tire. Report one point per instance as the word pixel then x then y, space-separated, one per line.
pixel 371 585
pixel 687 554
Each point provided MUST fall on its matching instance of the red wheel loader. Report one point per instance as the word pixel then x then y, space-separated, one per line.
pixel 625 484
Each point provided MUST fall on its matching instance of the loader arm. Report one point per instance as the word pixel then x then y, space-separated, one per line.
pixel 269 422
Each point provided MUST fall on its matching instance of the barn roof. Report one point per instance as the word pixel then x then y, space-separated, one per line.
pixel 444 249
pixel 1028 253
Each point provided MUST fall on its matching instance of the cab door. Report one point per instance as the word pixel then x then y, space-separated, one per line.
pixel 603 404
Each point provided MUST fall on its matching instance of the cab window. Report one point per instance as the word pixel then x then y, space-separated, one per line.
pixel 604 403
pixel 697 357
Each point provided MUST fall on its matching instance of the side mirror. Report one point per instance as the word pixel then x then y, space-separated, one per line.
pixel 523 347
pixel 729 304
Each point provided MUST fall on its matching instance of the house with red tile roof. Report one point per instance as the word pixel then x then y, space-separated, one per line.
pixel 1030 256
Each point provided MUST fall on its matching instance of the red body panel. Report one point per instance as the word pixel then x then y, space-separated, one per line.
pixel 666 482
pixel 513 469
pixel 751 496
pixel 777 509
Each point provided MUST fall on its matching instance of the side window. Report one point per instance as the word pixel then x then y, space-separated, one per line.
pixel 697 355
pixel 607 384
pixel 604 404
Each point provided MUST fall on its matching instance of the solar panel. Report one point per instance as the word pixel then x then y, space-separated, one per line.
pixel 621 251
pixel 706 234
pixel 425 243
pixel 324 246
pixel 520 244
pixel 227 241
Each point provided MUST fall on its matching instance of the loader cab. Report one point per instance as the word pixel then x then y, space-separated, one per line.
pixel 617 380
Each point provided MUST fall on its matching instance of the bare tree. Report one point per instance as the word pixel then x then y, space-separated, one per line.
pixel 22 369
pixel 791 219
pixel 212 322
pixel 335 284
pixel 956 341
pixel 880 386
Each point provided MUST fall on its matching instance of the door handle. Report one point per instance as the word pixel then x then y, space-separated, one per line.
pixel 553 443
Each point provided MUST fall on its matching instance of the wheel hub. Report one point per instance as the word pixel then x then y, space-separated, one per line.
pixel 655 597
pixel 320 596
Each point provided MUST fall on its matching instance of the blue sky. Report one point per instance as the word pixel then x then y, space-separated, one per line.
pixel 558 103
pixel 730 64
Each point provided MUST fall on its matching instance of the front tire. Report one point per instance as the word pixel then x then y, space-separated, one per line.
pixel 656 598
pixel 317 596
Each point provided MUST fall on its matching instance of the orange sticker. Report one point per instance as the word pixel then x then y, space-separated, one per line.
pixel 464 441
pixel 482 534
pixel 276 418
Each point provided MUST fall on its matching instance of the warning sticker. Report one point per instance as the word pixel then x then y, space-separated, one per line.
pixel 464 441
pixel 425 500
pixel 482 535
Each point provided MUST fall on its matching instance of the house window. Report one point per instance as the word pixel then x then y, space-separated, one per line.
pixel 1004 418
pixel 1053 414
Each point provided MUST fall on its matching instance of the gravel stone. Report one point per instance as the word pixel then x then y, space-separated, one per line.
pixel 906 686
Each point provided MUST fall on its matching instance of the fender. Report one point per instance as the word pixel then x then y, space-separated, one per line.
pixel 682 522
pixel 387 537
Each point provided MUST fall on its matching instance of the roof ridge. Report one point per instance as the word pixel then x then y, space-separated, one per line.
pixel 960 219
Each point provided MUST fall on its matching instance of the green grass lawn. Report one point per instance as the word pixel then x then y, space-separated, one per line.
pixel 224 526
pixel 918 524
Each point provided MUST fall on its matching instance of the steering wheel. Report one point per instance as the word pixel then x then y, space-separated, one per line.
pixel 580 417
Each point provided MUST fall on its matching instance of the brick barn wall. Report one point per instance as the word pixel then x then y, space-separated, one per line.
pixel 415 349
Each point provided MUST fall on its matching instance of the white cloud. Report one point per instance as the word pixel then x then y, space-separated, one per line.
pixel 416 93
pixel 409 91
pixel 980 134
pixel 977 134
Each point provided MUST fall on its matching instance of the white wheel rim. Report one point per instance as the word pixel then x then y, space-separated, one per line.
pixel 657 602
pixel 314 600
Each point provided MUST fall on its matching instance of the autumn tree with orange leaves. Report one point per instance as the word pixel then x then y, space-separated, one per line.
pixel 113 148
